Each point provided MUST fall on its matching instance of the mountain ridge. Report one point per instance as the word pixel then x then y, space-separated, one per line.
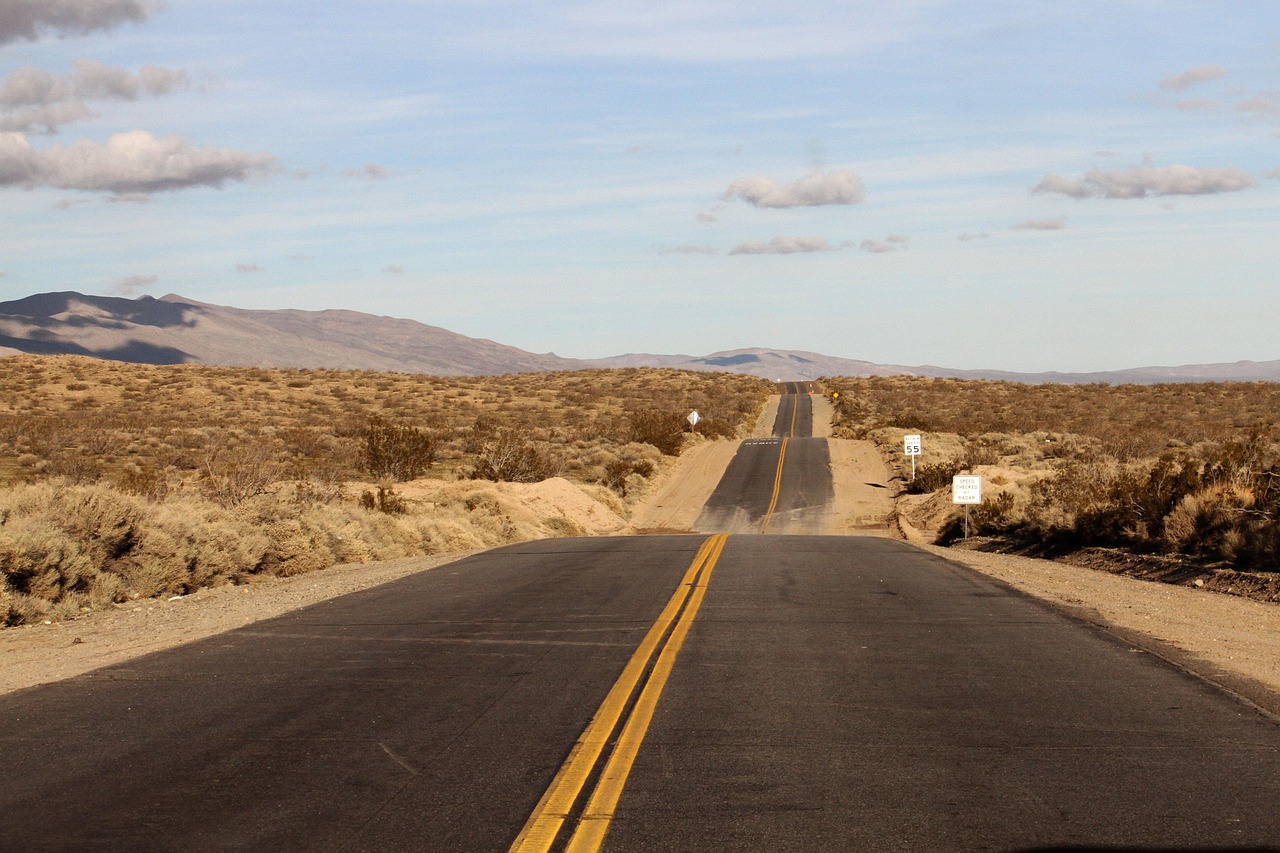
pixel 174 329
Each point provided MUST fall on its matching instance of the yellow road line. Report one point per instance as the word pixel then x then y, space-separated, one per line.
pixel 596 819
pixel 777 486
pixel 544 824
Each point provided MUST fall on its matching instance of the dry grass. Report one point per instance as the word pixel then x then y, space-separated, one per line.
pixel 1185 470
pixel 121 480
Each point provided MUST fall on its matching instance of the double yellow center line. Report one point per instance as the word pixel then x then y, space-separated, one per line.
pixel 782 458
pixel 556 805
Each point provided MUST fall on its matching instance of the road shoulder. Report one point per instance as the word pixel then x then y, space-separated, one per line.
pixel 1231 641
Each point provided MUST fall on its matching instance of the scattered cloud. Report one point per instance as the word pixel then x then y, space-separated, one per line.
pixel 1192 76
pixel 897 238
pixel 1042 224
pixel 29 19
pixel 707 217
pixel 813 190
pixel 248 268
pixel 393 270
pixel 129 198
pixel 967 236
pixel 1198 105
pixel 877 247
pixel 132 162
pixel 784 246
pixel 1144 181
pixel 690 250
pixel 369 172
pixel 1274 173
pixel 132 284
pixel 1261 105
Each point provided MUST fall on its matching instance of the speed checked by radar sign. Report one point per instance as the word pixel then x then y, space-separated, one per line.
pixel 966 489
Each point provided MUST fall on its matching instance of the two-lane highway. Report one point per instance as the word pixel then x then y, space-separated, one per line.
pixel 816 693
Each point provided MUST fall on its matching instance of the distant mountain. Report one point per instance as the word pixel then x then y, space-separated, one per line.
pixel 794 365
pixel 177 330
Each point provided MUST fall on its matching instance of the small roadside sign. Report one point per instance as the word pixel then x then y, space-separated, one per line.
pixel 911 444
pixel 966 489
pixel 693 418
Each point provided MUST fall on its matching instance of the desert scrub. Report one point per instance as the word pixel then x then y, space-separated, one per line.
pixel 170 420
pixel 1185 470
pixel 64 548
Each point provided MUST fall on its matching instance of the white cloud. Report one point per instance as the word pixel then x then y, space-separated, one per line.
pixel 1274 173
pixel 877 247
pixel 133 162
pixel 707 217
pixel 132 284
pixel 1192 76
pixel 1197 104
pixel 813 190
pixel 248 268
pixel 1144 181
pixel 784 246
pixel 40 101
pixel 29 19
pixel 46 119
pixel 690 250
pixel 897 238
pixel 393 270
pixel 967 236
pixel 1042 224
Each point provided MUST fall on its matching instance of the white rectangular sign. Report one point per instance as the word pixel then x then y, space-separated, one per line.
pixel 966 489
pixel 912 444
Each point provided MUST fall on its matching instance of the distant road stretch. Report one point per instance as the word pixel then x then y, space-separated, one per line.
pixel 827 693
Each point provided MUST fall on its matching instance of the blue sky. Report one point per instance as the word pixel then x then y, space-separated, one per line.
pixel 1027 185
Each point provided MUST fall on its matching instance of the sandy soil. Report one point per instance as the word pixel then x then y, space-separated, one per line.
pixel 676 500
pixel 1232 641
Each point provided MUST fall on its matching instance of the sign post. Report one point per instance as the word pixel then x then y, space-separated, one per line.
pixel 911 446
pixel 966 489
pixel 693 419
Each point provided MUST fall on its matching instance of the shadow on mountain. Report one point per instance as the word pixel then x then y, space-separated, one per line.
pixel 43 308
pixel 729 360
pixel 138 352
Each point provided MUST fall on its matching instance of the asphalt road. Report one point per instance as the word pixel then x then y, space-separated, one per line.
pixel 776 485
pixel 830 693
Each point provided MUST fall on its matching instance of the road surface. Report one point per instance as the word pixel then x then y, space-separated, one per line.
pixel 780 484
pixel 831 693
